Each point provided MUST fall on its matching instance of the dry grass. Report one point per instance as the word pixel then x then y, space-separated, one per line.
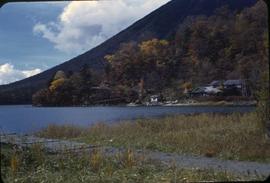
pixel 64 131
pixel 25 166
pixel 232 136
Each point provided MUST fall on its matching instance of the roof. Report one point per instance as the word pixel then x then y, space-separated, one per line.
pixel 216 82
pixel 198 90
pixel 211 89
pixel 233 82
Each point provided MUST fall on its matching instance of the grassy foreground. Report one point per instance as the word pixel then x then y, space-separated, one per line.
pixel 33 165
pixel 235 136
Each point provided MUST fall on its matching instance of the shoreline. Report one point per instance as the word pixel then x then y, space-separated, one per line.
pixel 195 104
pixel 190 104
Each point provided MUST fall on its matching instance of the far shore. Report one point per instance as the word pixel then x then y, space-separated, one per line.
pixel 209 103
pixel 160 104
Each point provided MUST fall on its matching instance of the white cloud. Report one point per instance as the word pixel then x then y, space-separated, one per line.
pixel 83 25
pixel 9 74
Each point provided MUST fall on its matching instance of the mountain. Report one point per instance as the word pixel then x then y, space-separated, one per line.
pixel 161 23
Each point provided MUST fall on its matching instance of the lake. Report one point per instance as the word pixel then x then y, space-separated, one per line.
pixel 26 119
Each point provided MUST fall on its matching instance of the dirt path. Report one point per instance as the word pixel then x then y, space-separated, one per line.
pixel 200 162
pixel 180 161
pixel 239 167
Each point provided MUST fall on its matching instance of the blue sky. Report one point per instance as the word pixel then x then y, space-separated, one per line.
pixel 38 36
pixel 18 45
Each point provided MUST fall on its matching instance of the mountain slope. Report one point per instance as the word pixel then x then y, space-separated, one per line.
pixel 161 23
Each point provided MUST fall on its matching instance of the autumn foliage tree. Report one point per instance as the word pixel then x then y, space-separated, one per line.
pixel 150 61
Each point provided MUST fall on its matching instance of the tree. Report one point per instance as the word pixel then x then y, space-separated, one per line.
pixel 263 110
pixel 58 80
pixel 42 97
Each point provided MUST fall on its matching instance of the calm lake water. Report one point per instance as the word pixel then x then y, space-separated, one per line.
pixel 26 119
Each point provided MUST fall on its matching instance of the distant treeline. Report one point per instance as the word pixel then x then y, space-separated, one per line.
pixel 226 45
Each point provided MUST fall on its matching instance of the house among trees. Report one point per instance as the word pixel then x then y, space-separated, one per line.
pixel 236 87
pixel 222 88
pixel 155 99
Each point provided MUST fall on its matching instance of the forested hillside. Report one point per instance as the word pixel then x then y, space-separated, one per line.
pixel 161 24
pixel 226 45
